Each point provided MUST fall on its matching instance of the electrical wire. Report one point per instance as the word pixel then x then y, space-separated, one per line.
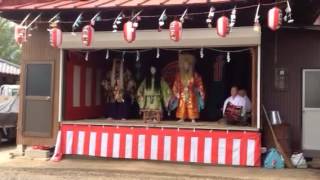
pixel 164 49
pixel 170 15
pixel 131 51
pixel 231 51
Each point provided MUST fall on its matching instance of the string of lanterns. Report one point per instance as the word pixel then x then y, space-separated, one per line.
pixel 224 24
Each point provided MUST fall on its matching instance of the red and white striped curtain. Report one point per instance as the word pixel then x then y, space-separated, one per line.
pixel 182 145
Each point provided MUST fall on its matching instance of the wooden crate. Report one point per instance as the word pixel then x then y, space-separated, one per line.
pixel 150 115
pixel 282 132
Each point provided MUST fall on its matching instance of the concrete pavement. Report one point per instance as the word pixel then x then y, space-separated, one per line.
pixel 78 168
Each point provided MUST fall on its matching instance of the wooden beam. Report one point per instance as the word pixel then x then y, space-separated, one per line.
pixel 196 37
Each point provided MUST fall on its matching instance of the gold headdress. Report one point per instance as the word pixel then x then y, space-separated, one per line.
pixel 186 58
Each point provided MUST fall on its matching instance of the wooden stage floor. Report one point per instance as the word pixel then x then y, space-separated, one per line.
pixel 162 124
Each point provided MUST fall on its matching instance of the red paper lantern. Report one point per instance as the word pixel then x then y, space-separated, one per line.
pixel 129 32
pixel 223 26
pixel 87 35
pixel 175 30
pixel 20 34
pixel 55 37
pixel 274 18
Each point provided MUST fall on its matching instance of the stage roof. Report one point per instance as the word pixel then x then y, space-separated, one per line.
pixel 7 5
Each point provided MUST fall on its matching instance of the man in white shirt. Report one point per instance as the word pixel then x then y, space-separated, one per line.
pixel 235 100
pixel 243 93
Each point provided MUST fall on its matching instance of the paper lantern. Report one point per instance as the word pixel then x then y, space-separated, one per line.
pixel 55 37
pixel 87 35
pixel 223 26
pixel 129 32
pixel 175 30
pixel 20 34
pixel 274 18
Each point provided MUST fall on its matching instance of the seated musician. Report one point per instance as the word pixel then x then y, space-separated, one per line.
pixel 247 108
pixel 243 93
pixel 234 107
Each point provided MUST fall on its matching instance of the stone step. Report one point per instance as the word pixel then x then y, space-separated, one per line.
pixel 37 153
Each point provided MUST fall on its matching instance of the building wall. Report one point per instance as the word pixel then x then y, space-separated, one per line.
pixel 37 49
pixel 294 49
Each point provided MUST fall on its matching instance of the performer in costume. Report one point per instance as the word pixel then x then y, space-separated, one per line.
pixel 188 89
pixel 119 90
pixel 153 93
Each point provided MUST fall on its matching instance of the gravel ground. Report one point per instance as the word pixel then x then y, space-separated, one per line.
pixel 51 174
pixel 21 168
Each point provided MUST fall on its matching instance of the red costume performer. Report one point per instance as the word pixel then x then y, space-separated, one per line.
pixel 188 89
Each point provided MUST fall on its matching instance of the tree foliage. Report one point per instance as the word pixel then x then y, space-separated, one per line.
pixel 9 50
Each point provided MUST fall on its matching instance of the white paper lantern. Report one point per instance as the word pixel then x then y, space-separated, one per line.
pixel 274 18
pixel 223 26
pixel 55 37
pixel 129 32
pixel 175 30
pixel 87 35
pixel 20 34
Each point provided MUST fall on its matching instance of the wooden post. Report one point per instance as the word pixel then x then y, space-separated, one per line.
pixel 254 75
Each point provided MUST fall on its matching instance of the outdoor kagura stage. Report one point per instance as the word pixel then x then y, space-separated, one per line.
pixel 201 142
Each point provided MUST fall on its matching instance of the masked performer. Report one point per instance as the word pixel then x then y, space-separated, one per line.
pixel 153 94
pixel 188 89
pixel 119 90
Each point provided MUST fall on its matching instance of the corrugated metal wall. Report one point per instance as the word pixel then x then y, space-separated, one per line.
pixel 294 49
